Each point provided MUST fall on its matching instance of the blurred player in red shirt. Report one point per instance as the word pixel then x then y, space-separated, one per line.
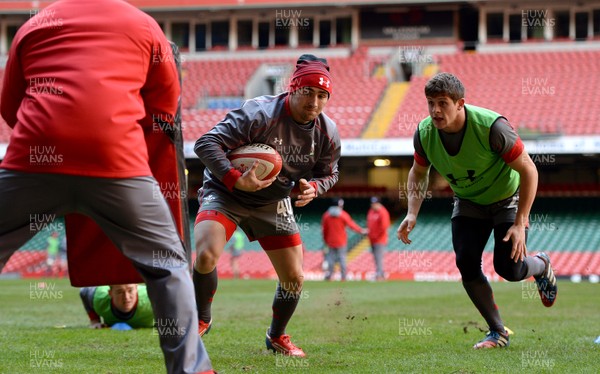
pixel 334 223
pixel 378 222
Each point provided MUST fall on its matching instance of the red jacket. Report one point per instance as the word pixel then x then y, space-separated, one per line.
pixel 378 222
pixel 82 81
pixel 334 224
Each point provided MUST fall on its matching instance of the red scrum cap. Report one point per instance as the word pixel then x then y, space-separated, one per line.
pixel 311 71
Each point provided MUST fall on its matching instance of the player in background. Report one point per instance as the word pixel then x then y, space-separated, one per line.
pixel 82 81
pixel 333 224
pixel 292 122
pixel 235 248
pixel 378 222
pixel 494 181
pixel 52 252
pixel 127 303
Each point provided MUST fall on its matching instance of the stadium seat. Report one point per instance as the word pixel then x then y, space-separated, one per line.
pixel 540 91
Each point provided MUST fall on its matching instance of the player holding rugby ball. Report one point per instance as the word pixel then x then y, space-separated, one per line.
pixel 293 123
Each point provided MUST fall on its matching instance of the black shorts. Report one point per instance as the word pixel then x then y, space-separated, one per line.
pixel 500 212
pixel 273 225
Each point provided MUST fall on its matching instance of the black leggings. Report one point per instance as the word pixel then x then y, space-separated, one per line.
pixel 469 236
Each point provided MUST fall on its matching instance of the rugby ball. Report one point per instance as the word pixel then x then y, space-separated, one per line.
pixel 269 160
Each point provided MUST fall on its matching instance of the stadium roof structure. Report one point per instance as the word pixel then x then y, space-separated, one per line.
pixel 232 4
pixel 24 6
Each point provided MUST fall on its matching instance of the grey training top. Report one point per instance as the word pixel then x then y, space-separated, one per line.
pixel 308 151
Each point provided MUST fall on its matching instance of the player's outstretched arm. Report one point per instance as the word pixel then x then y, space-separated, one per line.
pixel 87 298
pixel 352 224
pixel 527 170
pixel 418 179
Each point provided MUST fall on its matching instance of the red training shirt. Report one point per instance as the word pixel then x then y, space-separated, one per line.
pixel 82 80
pixel 334 223
pixel 378 222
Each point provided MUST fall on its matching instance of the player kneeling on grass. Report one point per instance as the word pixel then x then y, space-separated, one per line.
pixel 123 303
pixel 494 181
pixel 309 144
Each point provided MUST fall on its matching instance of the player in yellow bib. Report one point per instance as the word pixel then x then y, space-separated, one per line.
pixel 494 182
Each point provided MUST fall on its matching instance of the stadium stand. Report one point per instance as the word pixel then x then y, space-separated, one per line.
pixel 539 92
pixel 510 83
pixel 198 121
pixel 411 111
pixel 356 92
pixel 216 78
pixel 562 80
pixel 355 95
pixel 567 230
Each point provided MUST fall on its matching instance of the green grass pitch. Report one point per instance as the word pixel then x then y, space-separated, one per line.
pixel 351 327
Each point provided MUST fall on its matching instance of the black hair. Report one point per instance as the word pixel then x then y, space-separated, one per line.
pixel 308 58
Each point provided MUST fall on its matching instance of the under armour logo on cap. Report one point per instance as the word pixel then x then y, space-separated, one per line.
pixel 311 71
